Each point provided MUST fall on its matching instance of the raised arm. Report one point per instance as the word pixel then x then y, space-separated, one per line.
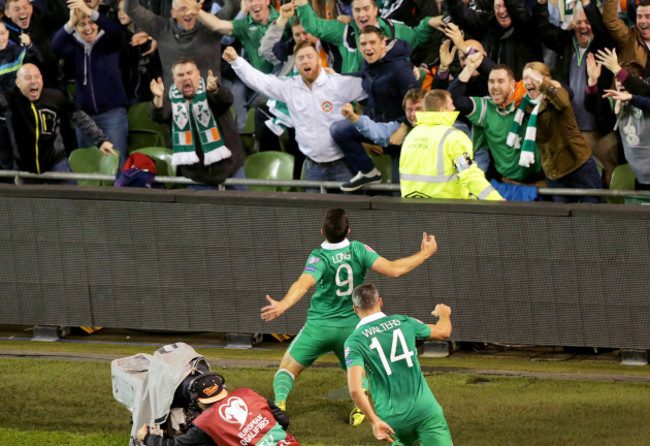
pixel 405 265
pixel 266 84
pixel 274 33
pixel 616 27
pixel 147 20
pixel 328 30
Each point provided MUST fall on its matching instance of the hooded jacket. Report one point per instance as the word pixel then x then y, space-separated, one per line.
pixel 387 81
pixel 437 161
pixel 99 85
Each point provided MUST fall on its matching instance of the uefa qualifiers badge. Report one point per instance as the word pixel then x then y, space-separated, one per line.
pixel 326 106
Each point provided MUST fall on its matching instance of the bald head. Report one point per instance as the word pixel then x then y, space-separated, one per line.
pixel 30 81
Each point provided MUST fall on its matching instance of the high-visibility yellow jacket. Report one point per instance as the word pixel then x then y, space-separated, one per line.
pixel 436 161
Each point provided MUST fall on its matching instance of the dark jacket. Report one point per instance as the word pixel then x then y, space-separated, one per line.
pixel 54 112
pixel 514 46
pixel 99 85
pixel 387 81
pixel 215 173
pixel 12 58
pixel 40 31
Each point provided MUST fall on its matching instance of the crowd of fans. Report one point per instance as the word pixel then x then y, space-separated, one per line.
pixel 544 92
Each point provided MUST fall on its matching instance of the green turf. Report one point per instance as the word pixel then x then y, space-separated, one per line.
pixel 70 403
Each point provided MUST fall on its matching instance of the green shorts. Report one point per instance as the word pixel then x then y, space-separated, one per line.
pixel 432 431
pixel 314 340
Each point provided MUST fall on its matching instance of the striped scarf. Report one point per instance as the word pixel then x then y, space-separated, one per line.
pixel 514 140
pixel 202 118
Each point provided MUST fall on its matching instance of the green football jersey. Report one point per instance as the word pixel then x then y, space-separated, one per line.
pixel 337 268
pixel 385 347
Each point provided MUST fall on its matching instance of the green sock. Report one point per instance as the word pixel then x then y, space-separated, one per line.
pixel 282 384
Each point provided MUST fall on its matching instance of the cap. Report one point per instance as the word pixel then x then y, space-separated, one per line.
pixel 208 388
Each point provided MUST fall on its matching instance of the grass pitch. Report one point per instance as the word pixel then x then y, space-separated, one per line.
pixel 63 402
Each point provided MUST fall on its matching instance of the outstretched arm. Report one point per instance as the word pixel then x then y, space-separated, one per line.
pixel 380 428
pixel 405 265
pixel 299 288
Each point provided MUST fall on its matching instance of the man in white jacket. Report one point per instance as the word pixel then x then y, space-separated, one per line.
pixel 314 101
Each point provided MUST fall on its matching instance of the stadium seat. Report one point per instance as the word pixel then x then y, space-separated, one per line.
pixel 622 179
pixel 248 137
pixel 383 163
pixel 143 132
pixel 92 160
pixel 163 159
pixel 270 165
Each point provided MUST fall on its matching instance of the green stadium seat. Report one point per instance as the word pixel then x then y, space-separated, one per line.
pixel 92 160
pixel 143 132
pixel 622 179
pixel 162 156
pixel 248 137
pixel 383 163
pixel 270 165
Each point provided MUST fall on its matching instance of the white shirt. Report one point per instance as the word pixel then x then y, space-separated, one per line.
pixel 313 110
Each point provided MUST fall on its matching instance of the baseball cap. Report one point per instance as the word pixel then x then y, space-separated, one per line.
pixel 208 387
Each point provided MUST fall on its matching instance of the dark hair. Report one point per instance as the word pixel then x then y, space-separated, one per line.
pixel 643 3
pixel 501 66
pixel 371 29
pixel 634 68
pixel 335 225
pixel 296 22
pixel 183 61
pixel 414 95
pixel 365 296
pixel 302 45
pixel 435 100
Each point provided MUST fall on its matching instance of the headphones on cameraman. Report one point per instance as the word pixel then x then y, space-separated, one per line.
pixel 193 391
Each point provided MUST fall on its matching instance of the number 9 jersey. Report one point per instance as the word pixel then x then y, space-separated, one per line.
pixel 338 268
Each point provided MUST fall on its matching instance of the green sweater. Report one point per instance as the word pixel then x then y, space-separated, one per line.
pixel 334 32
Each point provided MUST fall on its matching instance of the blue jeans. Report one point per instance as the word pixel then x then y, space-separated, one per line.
pixel 115 125
pixel 586 177
pixel 61 166
pixel 349 139
pixel 338 171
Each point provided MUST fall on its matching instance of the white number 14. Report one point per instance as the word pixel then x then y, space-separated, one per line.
pixel 406 353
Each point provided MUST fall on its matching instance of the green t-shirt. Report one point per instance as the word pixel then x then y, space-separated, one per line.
pixel 385 347
pixel 494 125
pixel 338 268
pixel 250 33
pixel 336 33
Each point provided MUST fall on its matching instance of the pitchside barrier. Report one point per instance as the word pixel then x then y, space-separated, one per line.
pixel 513 273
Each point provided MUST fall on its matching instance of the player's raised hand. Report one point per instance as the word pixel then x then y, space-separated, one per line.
pixel 441 310
pixel 273 310
pixel 429 244
pixel 382 430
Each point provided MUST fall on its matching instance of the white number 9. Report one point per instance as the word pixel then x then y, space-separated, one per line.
pixel 343 283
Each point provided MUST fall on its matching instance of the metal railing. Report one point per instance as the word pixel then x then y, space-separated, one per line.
pixel 323 186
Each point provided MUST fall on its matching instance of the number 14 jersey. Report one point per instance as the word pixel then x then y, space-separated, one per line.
pixel 385 347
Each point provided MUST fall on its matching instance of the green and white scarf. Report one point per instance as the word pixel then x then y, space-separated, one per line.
pixel 514 140
pixel 183 142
